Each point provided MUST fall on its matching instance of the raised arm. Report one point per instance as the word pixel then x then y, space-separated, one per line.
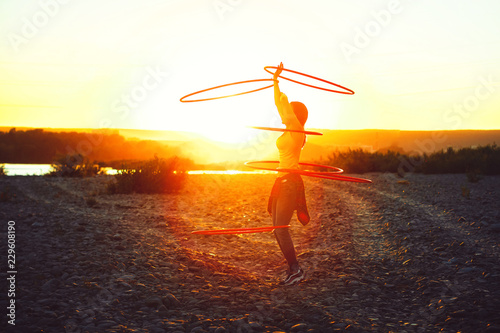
pixel 277 92
pixel 281 100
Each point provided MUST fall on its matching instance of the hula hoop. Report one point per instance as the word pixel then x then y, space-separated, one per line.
pixel 225 85
pixel 341 178
pixel 346 91
pixel 333 175
pixel 238 230
pixel 335 171
pixel 277 129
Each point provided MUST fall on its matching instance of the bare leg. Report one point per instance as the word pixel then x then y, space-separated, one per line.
pixel 283 208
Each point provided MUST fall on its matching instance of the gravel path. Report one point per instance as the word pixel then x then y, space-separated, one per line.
pixel 419 254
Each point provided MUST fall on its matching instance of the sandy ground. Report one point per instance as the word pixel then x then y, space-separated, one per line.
pixel 413 255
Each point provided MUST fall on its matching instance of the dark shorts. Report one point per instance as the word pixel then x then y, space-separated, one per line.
pixel 292 186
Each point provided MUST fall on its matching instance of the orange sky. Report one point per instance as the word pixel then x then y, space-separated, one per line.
pixel 125 64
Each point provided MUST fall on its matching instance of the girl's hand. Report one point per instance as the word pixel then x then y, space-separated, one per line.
pixel 278 71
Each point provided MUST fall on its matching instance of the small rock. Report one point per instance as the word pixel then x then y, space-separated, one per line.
pixel 298 327
pixel 50 285
pixel 106 324
pixel 256 326
pixel 162 310
pixel 466 270
pixel 154 302
pixel 459 314
pixel 171 302
pixel 239 322
pixel 495 227
pixel 338 325
pixel 220 330
pixel 197 329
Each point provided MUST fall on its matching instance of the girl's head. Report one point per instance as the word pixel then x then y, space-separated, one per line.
pixel 300 111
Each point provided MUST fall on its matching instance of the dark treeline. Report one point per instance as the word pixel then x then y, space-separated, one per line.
pixel 44 147
pixel 481 160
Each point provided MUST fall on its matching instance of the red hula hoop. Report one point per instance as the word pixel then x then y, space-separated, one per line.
pixel 346 91
pixel 333 175
pixel 225 85
pixel 238 230
pixel 341 178
pixel 277 129
pixel 335 171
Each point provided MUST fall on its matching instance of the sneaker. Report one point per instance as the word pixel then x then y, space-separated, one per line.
pixel 293 278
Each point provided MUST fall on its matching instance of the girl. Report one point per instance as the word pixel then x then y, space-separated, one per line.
pixel 287 194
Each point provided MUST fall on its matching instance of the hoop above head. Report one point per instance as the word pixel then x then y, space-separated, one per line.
pixel 346 91
pixel 238 230
pixel 183 99
pixel 277 129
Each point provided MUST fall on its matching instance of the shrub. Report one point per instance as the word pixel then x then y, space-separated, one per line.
pixel 91 201
pixel 475 162
pixel 153 176
pixel 473 176
pixel 483 160
pixel 465 192
pixel 360 161
pixel 74 166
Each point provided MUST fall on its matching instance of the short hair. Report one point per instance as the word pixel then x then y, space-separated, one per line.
pixel 300 111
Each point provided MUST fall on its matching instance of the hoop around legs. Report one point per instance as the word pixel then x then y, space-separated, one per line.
pixel 333 175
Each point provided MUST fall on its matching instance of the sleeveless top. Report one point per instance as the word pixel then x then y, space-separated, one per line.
pixel 289 145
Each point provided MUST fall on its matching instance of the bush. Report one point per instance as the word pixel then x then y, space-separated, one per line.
pixel 360 161
pixel 153 176
pixel 74 166
pixel 2 170
pixel 483 160
pixel 475 162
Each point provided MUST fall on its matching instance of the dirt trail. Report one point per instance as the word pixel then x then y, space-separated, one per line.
pixel 413 256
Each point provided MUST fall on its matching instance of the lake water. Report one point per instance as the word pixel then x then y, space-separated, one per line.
pixel 12 169
pixel 15 169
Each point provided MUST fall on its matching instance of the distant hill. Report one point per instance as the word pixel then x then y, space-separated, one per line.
pixel 203 151
pixel 404 141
